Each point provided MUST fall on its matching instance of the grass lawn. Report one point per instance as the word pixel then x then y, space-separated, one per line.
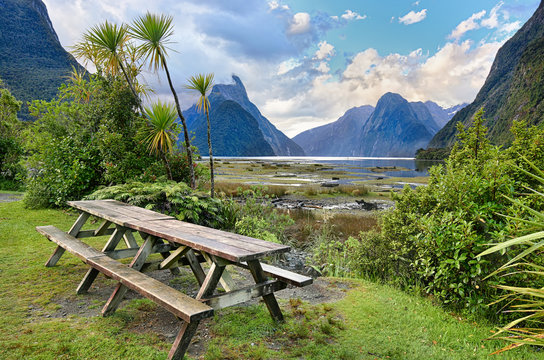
pixel 371 322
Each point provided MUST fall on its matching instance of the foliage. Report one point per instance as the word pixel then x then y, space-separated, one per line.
pixel 524 299
pixel 258 218
pixel 161 132
pixel 433 153
pixel 203 84
pixel 11 148
pixel 153 33
pixel 175 199
pixel 433 235
pixel 76 145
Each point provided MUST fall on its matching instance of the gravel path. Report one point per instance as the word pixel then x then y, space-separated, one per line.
pixel 10 197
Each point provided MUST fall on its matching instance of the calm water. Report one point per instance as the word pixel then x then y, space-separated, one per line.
pixel 353 164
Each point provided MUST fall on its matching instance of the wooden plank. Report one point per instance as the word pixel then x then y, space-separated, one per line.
pixel 68 242
pixel 103 228
pixel 92 233
pixel 283 275
pixel 242 295
pixel 95 208
pixel 182 341
pixel 116 211
pixel 163 229
pixel 91 275
pixel 130 241
pixel 196 242
pixel 225 237
pixel 269 299
pixel 226 280
pixel 55 257
pixel 172 259
pixel 129 253
pixel 194 263
pixel 78 224
pixel 210 283
pixel 136 264
pixel 172 300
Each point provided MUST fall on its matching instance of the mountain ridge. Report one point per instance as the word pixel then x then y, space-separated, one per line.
pixel 507 93
pixel 353 132
pixel 42 64
pixel 280 144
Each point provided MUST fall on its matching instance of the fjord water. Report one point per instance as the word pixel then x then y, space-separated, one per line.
pixel 362 165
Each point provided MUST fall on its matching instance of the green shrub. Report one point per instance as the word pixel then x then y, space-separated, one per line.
pixel 258 218
pixel 176 199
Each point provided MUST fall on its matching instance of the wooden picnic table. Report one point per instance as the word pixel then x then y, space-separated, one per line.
pixel 179 243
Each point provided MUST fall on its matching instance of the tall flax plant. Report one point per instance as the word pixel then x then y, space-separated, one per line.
pixel 529 302
pixel 154 33
pixel 203 84
pixel 160 132
pixel 105 45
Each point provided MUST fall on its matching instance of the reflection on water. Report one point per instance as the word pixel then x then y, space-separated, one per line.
pixel 358 166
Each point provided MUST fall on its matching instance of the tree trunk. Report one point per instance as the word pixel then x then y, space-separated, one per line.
pixel 167 166
pixel 132 88
pixel 211 153
pixel 185 130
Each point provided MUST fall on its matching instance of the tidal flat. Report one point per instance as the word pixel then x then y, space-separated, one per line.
pixel 324 177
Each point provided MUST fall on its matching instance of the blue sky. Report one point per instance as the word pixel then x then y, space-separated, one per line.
pixel 305 62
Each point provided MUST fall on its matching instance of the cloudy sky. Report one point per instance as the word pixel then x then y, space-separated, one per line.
pixel 305 62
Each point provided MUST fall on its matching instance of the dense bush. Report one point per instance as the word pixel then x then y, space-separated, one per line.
pixel 11 148
pixel 432 237
pixel 172 198
pixel 258 218
pixel 89 135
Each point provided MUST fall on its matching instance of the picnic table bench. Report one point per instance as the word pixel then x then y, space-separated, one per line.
pixel 179 243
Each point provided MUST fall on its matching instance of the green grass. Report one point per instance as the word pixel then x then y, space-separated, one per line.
pixel 371 322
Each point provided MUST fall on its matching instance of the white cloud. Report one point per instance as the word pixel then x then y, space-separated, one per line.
pixel 288 65
pixel 326 50
pixel 451 76
pixel 300 23
pixel 274 5
pixel 509 28
pixel 467 25
pixel 351 15
pixel 323 67
pixel 492 21
pixel 416 3
pixel 413 17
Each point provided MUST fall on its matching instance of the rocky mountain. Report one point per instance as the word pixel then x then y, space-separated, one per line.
pixel 513 90
pixel 229 138
pixel 236 93
pixel 33 64
pixel 442 115
pixel 394 128
pixel 340 138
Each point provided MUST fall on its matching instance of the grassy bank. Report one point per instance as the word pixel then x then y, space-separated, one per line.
pixel 371 322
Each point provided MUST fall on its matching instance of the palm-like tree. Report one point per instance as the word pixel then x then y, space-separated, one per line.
pixel 203 84
pixel 105 44
pixel 154 32
pixel 160 131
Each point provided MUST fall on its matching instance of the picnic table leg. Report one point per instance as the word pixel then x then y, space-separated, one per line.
pixel 74 230
pixel 211 280
pixel 195 266
pixel 226 280
pixel 137 263
pixel 178 349
pixel 269 299
pixel 92 273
